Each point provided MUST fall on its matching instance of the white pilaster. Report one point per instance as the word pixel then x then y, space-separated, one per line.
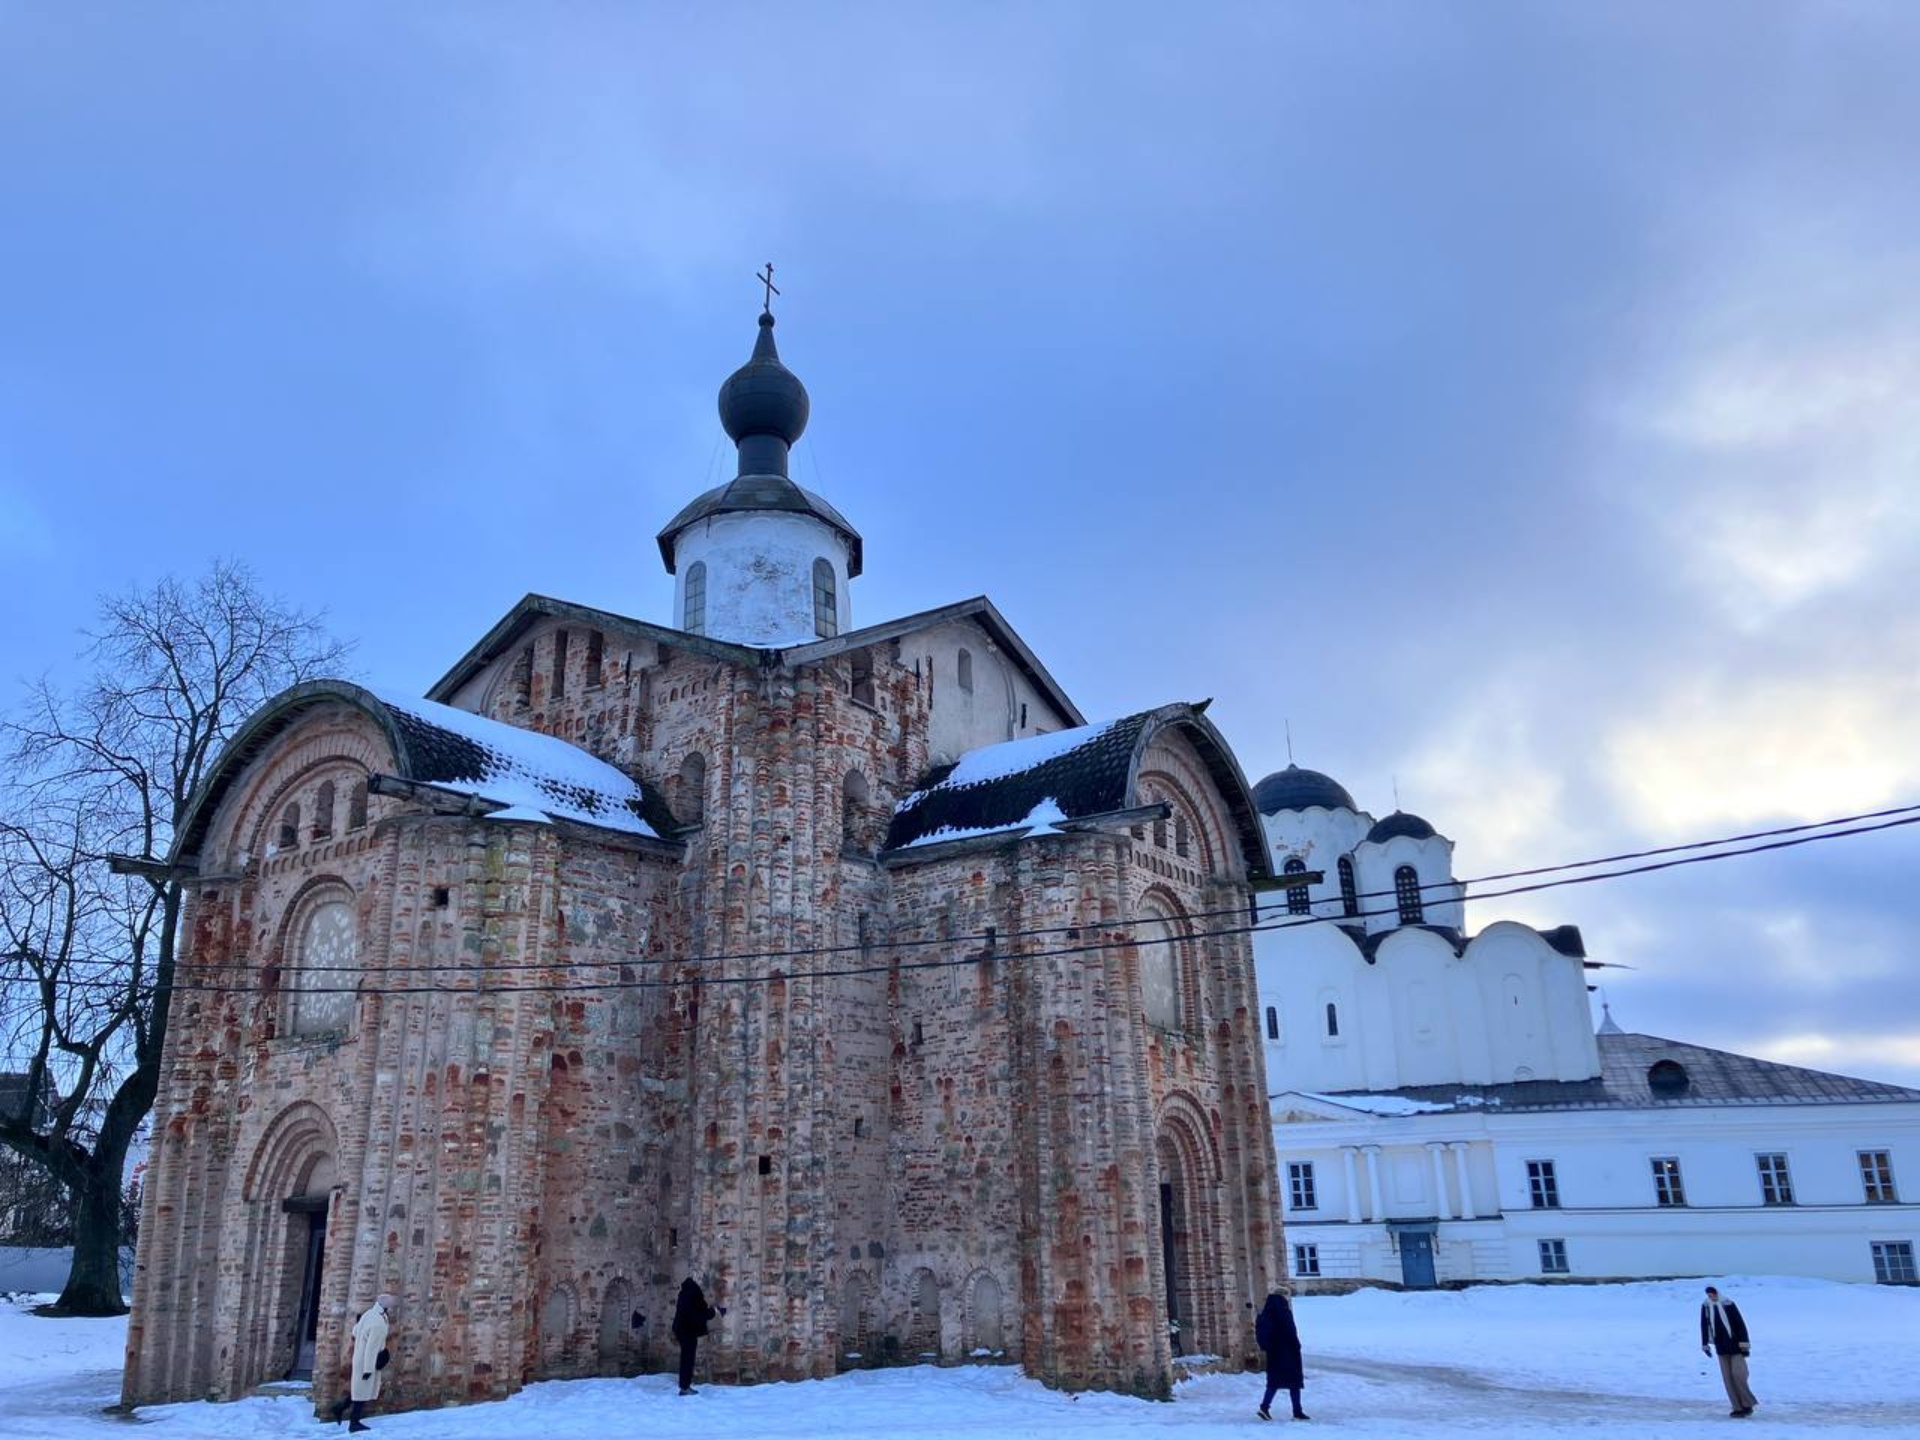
pixel 1436 1151
pixel 1459 1148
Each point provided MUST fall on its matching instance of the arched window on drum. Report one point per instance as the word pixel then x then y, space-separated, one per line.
pixel 1298 901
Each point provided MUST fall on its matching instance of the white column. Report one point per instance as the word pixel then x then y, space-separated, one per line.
pixel 1353 1185
pixel 1372 1152
pixel 1459 1148
pixel 1436 1151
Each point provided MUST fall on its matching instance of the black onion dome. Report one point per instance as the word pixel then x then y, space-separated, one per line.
pixel 1401 823
pixel 763 397
pixel 1297 789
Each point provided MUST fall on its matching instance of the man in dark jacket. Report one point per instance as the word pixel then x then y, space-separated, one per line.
pixel 1279 1337
pixel 691 1315
pixel 1724 1333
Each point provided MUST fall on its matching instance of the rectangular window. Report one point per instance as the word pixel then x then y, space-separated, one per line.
pixel 1542 1186
pixel 1893 1262
pixel 1553 1257
pixel 1273 1022
pixel 860 682
pixel 559 664
pixel 1300 1193
pixel 1876 1176
pixel 1306 1261
pixel 1776 1185
pixel 1667 1190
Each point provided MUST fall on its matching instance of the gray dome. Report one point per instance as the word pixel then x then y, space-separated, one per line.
pixel 1401 823
pixel 763 397
pixel 1297 789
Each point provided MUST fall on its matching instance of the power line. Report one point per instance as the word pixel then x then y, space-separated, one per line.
pixel 992 952
pixel 851 947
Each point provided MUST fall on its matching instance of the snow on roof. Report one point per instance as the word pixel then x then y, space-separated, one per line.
pixel 1040 820
pixel 1392 1104
pixel 1038 781
pixel 529 773
pixel 1012 757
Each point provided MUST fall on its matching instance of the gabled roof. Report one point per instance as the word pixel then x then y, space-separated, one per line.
pixel 534 608
pixel 1047 780
pixel 1637 1072
pixel 980 610
pixel 496 764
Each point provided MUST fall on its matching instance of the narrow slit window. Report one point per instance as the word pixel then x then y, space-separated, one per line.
pixel 290 828
pixel 964 671
pixel 1349 891
pixel 693 609
pixel 596 659
pixel 323 811
pixel 559 664
pixel 357 806
pixel 1273 1022
pixel 1333 1021
pixel 826 612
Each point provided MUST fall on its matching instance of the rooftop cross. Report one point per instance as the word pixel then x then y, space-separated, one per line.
pixel 772 289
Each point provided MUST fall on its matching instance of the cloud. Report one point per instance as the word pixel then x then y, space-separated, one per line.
pixel 1737 748
pixel 1779 441
pixel 1843 1050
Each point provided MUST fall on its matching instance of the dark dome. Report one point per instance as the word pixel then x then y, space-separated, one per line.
pixel 763 397
pixel 1297 789
pixel 1401 823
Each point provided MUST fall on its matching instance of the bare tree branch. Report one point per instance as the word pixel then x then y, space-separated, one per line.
pixel 86 955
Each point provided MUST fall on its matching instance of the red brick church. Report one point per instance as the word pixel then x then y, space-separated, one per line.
pixel 849 970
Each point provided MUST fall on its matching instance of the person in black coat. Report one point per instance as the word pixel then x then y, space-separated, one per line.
pixel 1279 1337
pixel 691 1316
pixel 1723 1333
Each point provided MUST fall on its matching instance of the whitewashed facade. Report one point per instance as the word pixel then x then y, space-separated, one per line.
pixel 1445 1111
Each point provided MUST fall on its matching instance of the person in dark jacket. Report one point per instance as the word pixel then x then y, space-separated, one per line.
pixel 691 1316
pixel 1723 1332
pixel 1279 1337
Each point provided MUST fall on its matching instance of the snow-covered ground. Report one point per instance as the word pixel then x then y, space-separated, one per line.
pixel 1525 1361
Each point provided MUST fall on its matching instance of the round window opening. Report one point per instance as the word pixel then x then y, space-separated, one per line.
pixel 1668 1078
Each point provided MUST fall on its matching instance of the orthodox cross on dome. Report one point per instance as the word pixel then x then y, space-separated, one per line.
pixel 772 289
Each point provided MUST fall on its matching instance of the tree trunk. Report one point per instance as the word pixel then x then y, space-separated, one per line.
pixel 93 1285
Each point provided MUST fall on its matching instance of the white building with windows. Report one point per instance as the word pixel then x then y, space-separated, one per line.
pixel 1445 1111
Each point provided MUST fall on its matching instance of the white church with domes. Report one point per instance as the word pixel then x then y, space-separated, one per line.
pixel 1445 1110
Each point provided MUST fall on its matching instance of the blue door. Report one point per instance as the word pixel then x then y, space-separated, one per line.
pixel 1416 1260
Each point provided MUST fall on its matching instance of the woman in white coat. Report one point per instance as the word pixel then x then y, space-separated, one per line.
pixel 369 1359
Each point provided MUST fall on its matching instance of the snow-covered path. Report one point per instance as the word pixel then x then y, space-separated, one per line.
pixel 1528 1362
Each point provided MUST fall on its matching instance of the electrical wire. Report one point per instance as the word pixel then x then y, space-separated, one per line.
pixel 854 946
pixel 992 951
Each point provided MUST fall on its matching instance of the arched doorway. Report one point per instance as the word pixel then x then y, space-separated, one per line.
pixel 1189 1231
pixel 289 1194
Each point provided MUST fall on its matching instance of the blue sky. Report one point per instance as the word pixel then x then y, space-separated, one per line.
pixel 1517 400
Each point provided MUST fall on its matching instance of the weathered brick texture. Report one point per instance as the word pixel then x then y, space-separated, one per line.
pixel 574 1069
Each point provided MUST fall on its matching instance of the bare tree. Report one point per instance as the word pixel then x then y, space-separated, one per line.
pixel 89 910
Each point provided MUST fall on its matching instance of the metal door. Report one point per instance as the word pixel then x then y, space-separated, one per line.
pixel 1416 1260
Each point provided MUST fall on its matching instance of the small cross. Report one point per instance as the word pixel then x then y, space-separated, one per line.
pixel 772 289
